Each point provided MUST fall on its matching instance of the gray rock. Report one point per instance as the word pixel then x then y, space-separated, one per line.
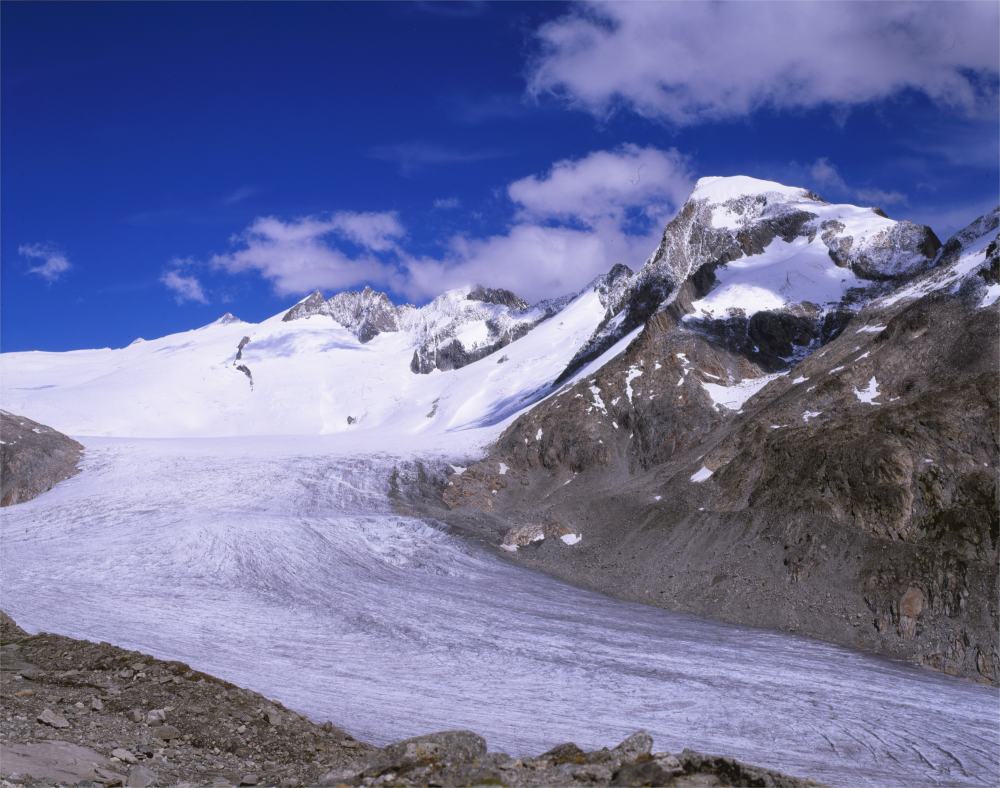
pixel 639 743
pixel 33 458
pixel 55 762
pixel 53 719
pixel 446 746
pixel 123 755
pixel 166 732
pixel 140 776
pixel 338 776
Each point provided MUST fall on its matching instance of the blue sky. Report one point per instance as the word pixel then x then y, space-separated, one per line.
pixel 165 163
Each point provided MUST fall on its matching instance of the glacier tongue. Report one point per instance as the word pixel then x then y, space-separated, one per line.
pixel 279 565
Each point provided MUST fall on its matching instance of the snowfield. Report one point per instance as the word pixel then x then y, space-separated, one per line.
pixel 310 376
pixel 278 564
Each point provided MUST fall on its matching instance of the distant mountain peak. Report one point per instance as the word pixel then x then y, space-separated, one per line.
pixel 312 304
pixel 722 189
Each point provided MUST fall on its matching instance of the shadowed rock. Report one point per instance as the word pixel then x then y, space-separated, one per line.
pixel 33 458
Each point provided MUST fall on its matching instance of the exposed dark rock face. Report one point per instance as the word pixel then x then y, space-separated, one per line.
pixel 853 498
pixel 450 353
pixel 33 458
pixel 455 330
pixel 904 250
pixel 76 712
pixel 367 313
pixel 239 348
pixel 774 339
pixel 499 296
pixel 313 304
pixel 246 371
pixel 696 243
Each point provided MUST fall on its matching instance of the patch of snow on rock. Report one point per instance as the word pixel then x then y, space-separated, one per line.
pixel 571 539
pixel 701 474
pixel 869 393
pixel 734 396
pixel 632 374
pixel 991 296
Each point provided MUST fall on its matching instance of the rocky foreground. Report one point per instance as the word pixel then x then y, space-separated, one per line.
pixel 81 713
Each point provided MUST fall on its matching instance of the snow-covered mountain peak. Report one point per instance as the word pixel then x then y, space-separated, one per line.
pixel 740 246
pixel 312 304
pixel 366 313
pixel 721 189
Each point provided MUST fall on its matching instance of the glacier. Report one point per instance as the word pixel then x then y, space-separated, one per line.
pixel 278 563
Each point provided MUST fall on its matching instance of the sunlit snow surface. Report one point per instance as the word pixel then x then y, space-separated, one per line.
pixel 279 565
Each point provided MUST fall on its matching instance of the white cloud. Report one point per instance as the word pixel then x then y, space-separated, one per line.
pixel 185 287
pixel 296 256
pixel 688 62
pixel 375 231
pixel 534 261
pixel 54 262
pixel 447 203
pixel 569 225
pixel 605 184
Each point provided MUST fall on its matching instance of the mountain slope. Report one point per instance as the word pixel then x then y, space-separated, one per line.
pixel 305 373
pixel 851 496
pixel 741 246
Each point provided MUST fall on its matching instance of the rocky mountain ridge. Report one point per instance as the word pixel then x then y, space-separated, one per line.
pixel 763 247
pixel 851 496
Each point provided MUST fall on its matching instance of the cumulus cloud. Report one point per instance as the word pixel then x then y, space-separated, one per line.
pixel 689 62
pixel 185 287
pixel 53 262
pixel 535 261
pixel 567 226
pixel 605 184
pixel 297 255
pixel 571 224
